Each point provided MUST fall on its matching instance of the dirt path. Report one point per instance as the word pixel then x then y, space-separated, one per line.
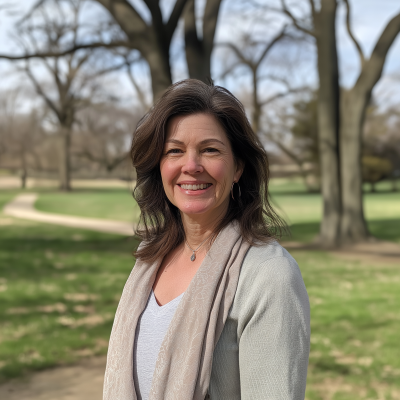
pixel 77 382
pixel 23 207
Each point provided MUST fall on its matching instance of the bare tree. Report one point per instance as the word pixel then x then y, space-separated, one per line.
pixel 251 54
pixel 152 38
pixel 20 137
pixel 354 102
pixel 341 116
pixel 105 134
pixel 320 24
pixel 72 78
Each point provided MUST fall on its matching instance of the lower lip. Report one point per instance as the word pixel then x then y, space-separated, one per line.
pixel 194 192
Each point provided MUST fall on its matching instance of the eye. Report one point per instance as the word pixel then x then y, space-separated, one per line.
pixel 173 151
pixel 210 150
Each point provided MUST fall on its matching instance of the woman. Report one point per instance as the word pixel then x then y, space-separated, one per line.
pixel 214 307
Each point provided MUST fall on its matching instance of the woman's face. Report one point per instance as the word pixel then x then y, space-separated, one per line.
pixel 197 166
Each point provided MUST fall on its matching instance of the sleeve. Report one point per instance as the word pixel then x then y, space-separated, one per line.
pixel 274 332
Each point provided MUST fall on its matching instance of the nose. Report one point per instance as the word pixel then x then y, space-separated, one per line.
pixel 192 163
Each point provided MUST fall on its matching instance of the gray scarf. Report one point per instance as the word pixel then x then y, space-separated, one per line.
pixel 184 362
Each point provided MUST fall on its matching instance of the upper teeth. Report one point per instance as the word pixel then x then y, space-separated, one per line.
pixel 196 187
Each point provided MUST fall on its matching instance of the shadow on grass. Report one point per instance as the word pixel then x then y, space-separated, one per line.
pixel 32 251
pixel 52 278
pixel 384 229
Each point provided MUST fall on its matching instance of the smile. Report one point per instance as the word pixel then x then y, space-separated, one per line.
pixel 201 186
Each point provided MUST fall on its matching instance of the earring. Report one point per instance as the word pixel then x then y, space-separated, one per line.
pixel 240 193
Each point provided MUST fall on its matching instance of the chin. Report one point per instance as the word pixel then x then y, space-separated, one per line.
pixel 194 209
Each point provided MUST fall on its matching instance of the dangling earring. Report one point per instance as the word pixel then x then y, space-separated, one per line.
pixel 240 193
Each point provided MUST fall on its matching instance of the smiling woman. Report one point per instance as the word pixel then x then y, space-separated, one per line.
pixel 214 307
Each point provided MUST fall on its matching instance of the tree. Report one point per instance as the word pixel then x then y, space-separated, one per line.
pixel 104 133
pixel 374 169
pixel 153 38
pixel 354 102
pixel 73 77
pixel 342 116
pixel 381 140
pixel 321 25
pixel 21 136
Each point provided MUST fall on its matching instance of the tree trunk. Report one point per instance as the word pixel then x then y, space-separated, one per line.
pixel 394 184
pixel 160 71
pixel 24 173
pixel 328 123
pixel 23 178
pixel 256 112
pixel 64 140
pixel 197 65
pixel 353 106
pixel 198 51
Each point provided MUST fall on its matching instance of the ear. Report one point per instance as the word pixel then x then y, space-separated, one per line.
pixel 239 170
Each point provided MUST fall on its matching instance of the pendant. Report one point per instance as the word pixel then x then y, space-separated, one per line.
pixel 193 257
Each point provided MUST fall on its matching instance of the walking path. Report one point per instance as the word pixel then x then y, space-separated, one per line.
pixel 76 382
pixel 23 207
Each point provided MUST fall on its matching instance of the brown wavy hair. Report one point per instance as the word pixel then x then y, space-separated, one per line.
pixel 160 224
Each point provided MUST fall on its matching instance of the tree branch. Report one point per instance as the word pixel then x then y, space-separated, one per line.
pixel 269 46
pixel 210 20
pixel 295 21
pixel 350 32
pixel 39 90
pixel 313 9
pixel 139 91
pixel 85 153
pixel 237 51
pixel 128 19
pixel 372 69
pixel 283 94
pixel 174 18
pixel 73 49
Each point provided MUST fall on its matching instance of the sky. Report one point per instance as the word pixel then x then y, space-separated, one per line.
pixel 368 16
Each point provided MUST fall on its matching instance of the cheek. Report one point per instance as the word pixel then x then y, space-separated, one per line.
pixel 222 171
pixel 168 172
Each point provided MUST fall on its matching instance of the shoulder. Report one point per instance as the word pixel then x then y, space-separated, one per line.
pixel 270 279
pixel 269 263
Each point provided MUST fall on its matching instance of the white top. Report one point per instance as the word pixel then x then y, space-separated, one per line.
pixel 151 329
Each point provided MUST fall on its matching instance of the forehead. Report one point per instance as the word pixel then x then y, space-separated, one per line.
pixel 195 127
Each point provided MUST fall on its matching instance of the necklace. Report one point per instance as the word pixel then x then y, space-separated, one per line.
pixel 193 257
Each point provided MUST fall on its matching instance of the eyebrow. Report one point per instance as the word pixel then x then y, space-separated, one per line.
pixel 205 141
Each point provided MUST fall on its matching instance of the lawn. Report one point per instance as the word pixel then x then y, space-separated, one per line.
pixel 116 204
pixel 59 289
pixel 300 209
pixel 355 322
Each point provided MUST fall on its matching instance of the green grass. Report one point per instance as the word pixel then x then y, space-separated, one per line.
pixel 59 290
pixel 116 204
pixel 303 210
pixel 355 323
pixel 6 196
pixel 300 209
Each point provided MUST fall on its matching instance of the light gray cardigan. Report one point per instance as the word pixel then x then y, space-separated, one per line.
pixel 262 353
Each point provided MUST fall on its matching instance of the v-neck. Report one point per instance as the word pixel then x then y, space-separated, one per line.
pixel 173 301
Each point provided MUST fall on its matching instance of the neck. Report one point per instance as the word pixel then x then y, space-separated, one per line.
pixel 200 227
